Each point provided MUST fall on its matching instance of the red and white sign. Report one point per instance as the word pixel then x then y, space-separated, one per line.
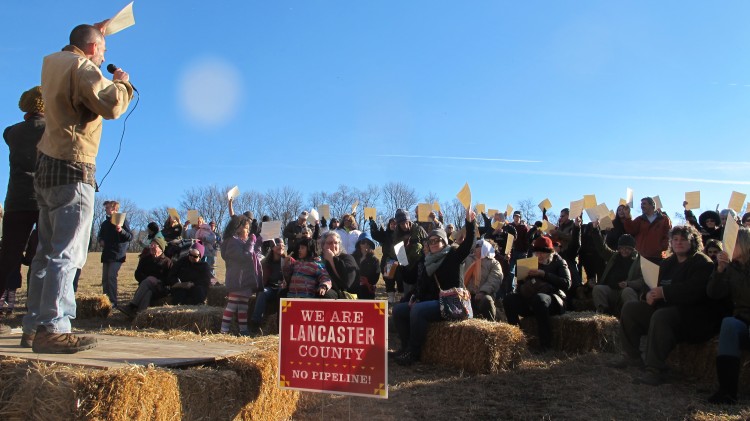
pixel 334 346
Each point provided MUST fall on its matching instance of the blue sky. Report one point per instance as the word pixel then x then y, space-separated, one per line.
pixel 540 99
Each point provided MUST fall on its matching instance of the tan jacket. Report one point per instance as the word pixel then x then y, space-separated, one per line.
pixel 76 98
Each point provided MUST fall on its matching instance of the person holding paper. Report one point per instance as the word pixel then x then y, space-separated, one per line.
pixel 708 223
pixel 520 251
pixel 388 264
pixel 731 279
pixel 293 230
pixel 172 230
pixel 618 228
pixel 676 310
pixel 613 290
pixel 746 219
pixel 113 240
pixel 651 231
pixel 412 235
pixel 369 266
pixel 542 294
pixel 482 277
pixel 349 233
pixel 442 271
pixel 21 211
pixel 568 234
pixel 76 98
pixel 307 274
pixel 341 266
pixel 273 283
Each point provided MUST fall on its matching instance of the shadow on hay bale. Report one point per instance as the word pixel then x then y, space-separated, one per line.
pixel 89 306
pixel 474 345
pixel 199 319
pixel 217 296
pixel 243 388
pixel 578 332
pixel 698 362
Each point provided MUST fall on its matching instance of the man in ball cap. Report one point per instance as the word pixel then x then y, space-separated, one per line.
pixel 542 292
pixel 615 288
pixel 151 273
pixel 412 235
pixel 520 251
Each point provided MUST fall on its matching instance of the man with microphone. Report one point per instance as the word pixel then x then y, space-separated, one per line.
pixel 77 97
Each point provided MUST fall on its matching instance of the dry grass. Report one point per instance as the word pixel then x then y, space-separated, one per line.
pixel 548 386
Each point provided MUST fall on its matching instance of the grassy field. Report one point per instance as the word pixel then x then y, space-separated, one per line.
pixel 545 386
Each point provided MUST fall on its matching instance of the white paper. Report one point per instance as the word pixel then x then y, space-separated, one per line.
pixel 650 272
pixel 657 202
pixel 313 216
pixel 123 19
pixel 401 254
pixel 731 229
pixel 576 209
pixel 233 193
pixel 629 197
pixel 270 230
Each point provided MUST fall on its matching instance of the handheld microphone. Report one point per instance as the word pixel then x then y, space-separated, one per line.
pixel 112 68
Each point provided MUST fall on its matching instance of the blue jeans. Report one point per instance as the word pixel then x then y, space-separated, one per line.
pixel 734 337
pixel 412 323
pixel 65 216
pixel 262 298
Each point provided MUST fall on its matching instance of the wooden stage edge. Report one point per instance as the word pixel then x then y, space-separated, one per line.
pixel 121 351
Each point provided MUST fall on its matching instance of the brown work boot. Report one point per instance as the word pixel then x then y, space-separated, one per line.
pixel 27 340
pixel 60 343
pixel 4 329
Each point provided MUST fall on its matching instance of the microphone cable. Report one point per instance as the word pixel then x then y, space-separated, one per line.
pixel 122 136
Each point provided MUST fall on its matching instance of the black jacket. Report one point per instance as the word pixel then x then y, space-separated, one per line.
pixel 115 243
pixel 22 139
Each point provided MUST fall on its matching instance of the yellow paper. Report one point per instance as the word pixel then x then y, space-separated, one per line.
pixel 173 213
pixel 464 196
pixel 731 229
pixel 123 19
pixel 233 193
pixel 693 199
pixel 736 201
pixel 589 201
pixel 492 212
pixel 354 206
pixel 546 226
pixel 576 208
pixel 545 204
pixel 423 212
pixel 598 212
pixel 192 216
pixel 523 266
pixel 611 214
pixel 629 197
pixel 118 218
pixel 650 272
pixel 508 210
pixel 436 206
pixel 605 223
pixel 657 202
pixel 496 225
pixel 370 213
pixel 325 211
pixel 509 243
pixel 481 208
pixel 623 202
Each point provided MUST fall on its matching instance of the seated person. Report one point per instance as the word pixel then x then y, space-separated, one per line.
pixel 542 293
pixel 152 231
pixel 482 277
pixel 712 249
pixel 273 278
pixel 307 274
pixel 341 267
pixel 369 266
pixel 172 229
pixel 677 310
pixel 153 269
pixel 612 291
pixel 190 277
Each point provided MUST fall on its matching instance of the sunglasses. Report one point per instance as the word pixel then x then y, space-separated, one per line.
pixel 196 255
pixel 434 241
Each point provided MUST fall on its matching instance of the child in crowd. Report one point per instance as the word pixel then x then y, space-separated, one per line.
pixel 243 271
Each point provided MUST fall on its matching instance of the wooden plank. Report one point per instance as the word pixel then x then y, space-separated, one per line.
pixel 119 351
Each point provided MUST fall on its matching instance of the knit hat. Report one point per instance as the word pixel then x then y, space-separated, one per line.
pixel 153 226
pixel 199 246
pixel 401 216
pixel 160 242
pixel 439 233
pixel 31 101
pixel 543 244
pixel 745 217
pixel 626 240
pixel 709 215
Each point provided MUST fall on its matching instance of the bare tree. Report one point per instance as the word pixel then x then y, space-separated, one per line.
pixel 253 201
pixel 341 200
pixel 454 213
pixel 431 197
pixel 528 210
pixel 159 215
pixel 397 195
pixel 209 201
pixel 137 220
pixel 283 204
pixel 368 198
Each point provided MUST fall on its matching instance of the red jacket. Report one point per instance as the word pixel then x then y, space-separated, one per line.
pixel 651 238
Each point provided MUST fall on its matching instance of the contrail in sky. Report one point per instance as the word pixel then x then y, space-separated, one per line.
pixel 460 158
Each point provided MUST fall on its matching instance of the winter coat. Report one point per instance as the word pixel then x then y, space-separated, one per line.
pixel 115 243
pixel 148 265
pixel 244 274
pixel 651 238
pixel 490 278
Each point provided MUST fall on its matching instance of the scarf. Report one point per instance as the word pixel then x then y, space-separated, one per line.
pixel 474 272
pixel 433 261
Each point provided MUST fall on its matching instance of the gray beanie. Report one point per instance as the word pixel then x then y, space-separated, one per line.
pixel 439 233
pixel 401 216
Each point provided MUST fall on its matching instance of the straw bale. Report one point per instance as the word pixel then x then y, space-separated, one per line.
pixel 131 393
pixel 198 319
pixel 258 371
pixel 32 392
pixel 209 394
pixel 474 345
pixel 577 332
pixel 217 296
pixel 271 324
pixel 583 304
pixel 92 305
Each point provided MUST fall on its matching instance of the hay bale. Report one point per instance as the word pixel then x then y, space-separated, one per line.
pixel 474 345
pixel 89 306
pixel 258 374
pixel 271 324
pixel 578 332
pixel 33 392
pixel 193 318
pixel 208 394
pixel 217 296
pixel 698 362
pixel 132 393
pixel 583 304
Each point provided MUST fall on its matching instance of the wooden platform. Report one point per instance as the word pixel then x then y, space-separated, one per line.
pixel 119 351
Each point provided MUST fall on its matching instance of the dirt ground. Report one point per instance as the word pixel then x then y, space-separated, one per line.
pixel 545 386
